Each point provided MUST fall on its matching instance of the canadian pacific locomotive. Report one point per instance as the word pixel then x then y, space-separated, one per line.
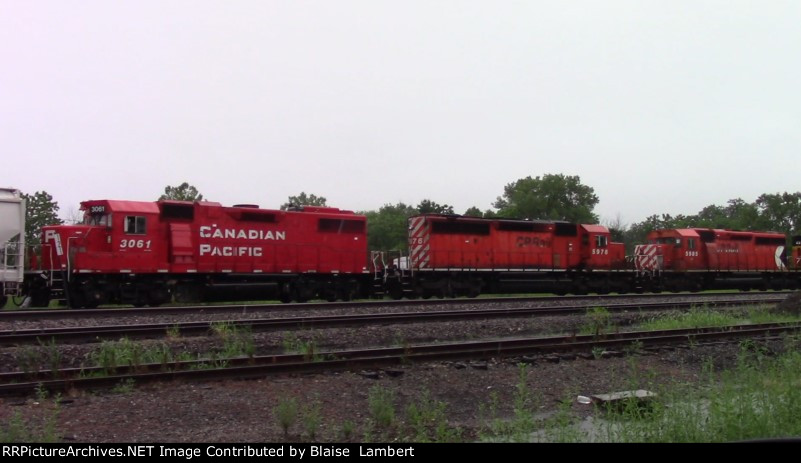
pixel 150 253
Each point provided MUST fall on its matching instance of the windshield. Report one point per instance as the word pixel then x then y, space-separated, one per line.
pixel 103 220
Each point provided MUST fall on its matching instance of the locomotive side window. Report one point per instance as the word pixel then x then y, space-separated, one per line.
pixel 460 228
pixel 691 243
pixel 600 241
pixel 778 241
pixel 341 226
pixel 177 211
pixel 676 242
pixel 135 225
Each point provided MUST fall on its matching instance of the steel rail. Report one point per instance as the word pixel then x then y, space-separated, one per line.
pixel 244 367
pixel 99 333
pixel 37 314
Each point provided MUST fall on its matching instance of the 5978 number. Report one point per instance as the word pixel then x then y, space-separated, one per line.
pixel 135 244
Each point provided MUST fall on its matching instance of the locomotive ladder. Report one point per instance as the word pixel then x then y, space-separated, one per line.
pixel 379 273
pixel 58 287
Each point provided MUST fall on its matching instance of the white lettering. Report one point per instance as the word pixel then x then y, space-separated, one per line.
pixel 230 251
pixel 241 234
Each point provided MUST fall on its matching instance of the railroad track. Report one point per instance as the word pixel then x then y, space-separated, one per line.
pixel 259 366
pixel 38 314
pixel 156 330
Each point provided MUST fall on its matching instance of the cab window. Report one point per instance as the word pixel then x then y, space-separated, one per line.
pixel 103 220
pixel 135 225
pixel 600 241
pixel 691 243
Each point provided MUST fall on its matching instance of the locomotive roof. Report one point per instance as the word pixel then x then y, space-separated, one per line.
pixel 487 219
pixel 695 232
pixel 595 228
pixel 152 207
pixel 146 207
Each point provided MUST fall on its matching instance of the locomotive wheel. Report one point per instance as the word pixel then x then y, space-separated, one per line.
pixel 187 292
pixel 92 298
pixel 473 291
pixel 348 291
pixel 77 299
pixel 395 290
pixel 40 297
pixel 473 288
pixel 580 288
pixel 285 295
pixel 158 296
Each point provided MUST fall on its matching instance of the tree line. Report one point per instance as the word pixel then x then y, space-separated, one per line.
pixel 547 197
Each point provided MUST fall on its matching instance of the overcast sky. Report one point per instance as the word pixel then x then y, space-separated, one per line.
pixel 660 106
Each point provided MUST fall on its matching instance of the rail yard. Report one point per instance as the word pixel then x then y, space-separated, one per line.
pixel 344 355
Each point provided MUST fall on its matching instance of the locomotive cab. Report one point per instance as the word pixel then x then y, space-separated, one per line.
pixel 597 249
pixel 121 237
pixel 115 237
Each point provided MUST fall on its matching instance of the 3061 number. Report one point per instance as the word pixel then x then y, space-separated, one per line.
pixel 135 244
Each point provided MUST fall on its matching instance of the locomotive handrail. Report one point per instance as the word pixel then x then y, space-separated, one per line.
pixel 68 253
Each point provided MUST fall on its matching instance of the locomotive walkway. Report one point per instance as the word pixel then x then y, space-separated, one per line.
pixel 156 330
pixel 258 366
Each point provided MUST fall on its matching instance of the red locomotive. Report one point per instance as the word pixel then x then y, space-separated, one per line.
pixel 155 252
pixel 149 252
pixel 697 258
pixel 453 255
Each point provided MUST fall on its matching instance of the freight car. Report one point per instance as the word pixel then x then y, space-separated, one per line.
pixel 149 253
pixel 12 243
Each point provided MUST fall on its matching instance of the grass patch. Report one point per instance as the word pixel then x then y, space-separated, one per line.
pixel 598 320
pixel 758 399
pixel 703 316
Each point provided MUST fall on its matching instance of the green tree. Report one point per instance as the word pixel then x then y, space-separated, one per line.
pixel 388 227
pixel 736 215
pixel 473 212
pixel 617 229
pixel 781 212
pixel 550 197
pixel 182 192
pixel 638 232
pixel 304 200
pixel 427 206
pixel 40 210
